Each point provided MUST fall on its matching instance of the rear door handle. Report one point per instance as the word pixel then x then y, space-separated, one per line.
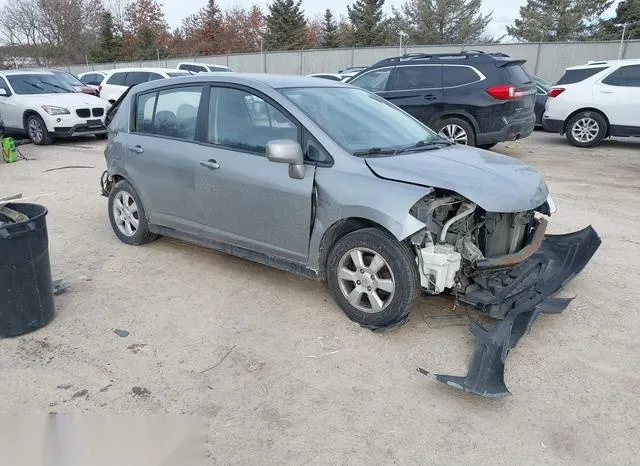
pixel 607 92
pixel 430 97
pixel 211 164
pixel 137 149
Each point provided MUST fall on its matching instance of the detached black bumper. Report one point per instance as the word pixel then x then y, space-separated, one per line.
pixel 518 129
pixel 529 289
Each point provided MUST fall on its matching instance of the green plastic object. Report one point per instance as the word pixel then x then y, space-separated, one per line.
pixel 9 151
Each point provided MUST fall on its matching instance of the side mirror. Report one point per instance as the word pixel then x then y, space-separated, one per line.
pixel 287 151
pixel 4 93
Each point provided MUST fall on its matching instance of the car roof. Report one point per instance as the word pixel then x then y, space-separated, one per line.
pixel 102 72
pixel 24 71
pixel 596 63
pixel 275 81
pixel 147 70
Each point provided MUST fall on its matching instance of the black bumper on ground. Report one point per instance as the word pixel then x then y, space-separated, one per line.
pixel 529 287
pixel 553 126
pixel 78 130
pixel 514 130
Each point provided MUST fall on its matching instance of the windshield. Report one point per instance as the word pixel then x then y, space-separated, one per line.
pixel 70 79
pixel 37 84
pixel 358 120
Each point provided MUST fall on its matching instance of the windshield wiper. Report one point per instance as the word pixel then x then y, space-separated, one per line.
pixel 34 85
pixel 65 89
pixel 425 144
pixel 373 151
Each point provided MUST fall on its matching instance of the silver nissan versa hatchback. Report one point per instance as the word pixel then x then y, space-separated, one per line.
pixel 331 181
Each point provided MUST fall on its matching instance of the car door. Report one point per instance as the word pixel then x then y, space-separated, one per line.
pixel 244 198
pixel 618 94
pixel 163 159
pixel 417 89
pixel 9 110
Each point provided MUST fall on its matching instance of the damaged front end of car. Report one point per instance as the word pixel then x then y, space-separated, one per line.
pixel 503 264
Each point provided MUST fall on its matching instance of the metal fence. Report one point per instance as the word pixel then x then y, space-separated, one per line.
pixel 547 59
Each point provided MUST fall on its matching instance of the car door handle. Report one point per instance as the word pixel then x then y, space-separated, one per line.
pixel 210 164
pixel 607 92
pixel 430 97
pixel 137 149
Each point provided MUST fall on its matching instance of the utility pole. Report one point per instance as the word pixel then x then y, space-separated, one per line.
pixel 400 50
pixel 262 64
pixel 624 30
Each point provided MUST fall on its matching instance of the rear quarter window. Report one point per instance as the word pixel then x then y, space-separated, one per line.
pixel 516 74
pixel 453 76
pixel 117 79
pixel 575 76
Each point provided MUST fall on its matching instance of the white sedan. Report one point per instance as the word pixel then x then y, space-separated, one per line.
pixel 44 107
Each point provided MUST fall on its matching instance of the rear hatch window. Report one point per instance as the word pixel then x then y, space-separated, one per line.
pixel 575 76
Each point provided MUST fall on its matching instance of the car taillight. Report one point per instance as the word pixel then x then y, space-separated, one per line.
pixel 555 91
pixel 99 88
pixel 505 92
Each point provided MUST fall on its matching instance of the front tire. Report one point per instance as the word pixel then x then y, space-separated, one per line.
pixel 127 215
pixel 457 130
pixel 37 131
pixel 586 129
pixel 373 278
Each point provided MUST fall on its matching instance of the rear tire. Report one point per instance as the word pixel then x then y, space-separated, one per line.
pixel 102 136
pixel 456 129
pixel 37 130
pixel 379 286
pixel 127 216
pixel 586 129
pixel 487 146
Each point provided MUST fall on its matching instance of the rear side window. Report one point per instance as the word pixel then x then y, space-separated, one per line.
pixel 154 76
pixel 627 76
pixel 575 76
pixel 194 68
pixel 93 79
pixel 117 79
pixel 136 77
pixel 453 76
pixel 171 112
pixel 418 77
pixel 516 74
pixel 374 81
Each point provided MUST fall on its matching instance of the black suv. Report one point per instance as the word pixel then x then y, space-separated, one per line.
pixel 472 97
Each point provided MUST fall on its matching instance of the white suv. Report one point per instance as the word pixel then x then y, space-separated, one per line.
pixel 43 106
pixel 594 101
pixel 119 80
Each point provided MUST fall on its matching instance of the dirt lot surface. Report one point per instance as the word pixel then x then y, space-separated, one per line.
pixel 300 383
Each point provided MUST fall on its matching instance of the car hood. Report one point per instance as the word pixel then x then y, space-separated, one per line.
pixel 66 100
pixel 496 183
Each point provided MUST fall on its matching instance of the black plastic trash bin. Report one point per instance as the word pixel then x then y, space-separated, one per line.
pixel 26 289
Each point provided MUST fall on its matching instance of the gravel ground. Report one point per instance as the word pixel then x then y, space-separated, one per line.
pixel 280 375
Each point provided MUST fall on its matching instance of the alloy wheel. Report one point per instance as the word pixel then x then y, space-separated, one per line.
pixel 36 132
pixel 126 214
pixel 366 280
pixel 455 133
pixel 585 130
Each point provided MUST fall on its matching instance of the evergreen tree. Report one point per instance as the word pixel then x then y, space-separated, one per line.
pixel 627 12
pixel 108 46
pixel 286 26
pixel 556 20
pixel 369 27
pixel 444 21
pixel 144 44
pixel 331 38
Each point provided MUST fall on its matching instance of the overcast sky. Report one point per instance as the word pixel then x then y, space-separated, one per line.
pixel 504 11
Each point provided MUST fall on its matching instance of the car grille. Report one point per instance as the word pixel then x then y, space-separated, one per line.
pixel 98 112
pixel 83 112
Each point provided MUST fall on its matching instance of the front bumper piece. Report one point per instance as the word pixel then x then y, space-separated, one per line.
pixel 530 288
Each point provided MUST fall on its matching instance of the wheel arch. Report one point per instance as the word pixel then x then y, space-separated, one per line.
pixel 587 109
pixel 455 114
pixel 26 114
pixel 338 230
